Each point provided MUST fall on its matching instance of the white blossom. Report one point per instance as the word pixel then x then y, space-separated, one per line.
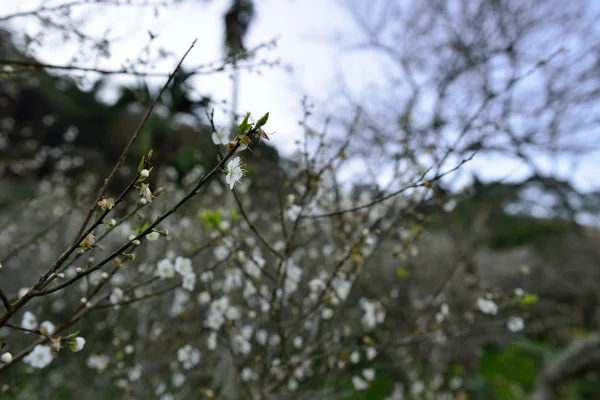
pixel 261 337
pixel 294 212
pixel 221 252
pixel 369 374
pixel 241 345
pixel 98 362
pixel 515 324
pixel 450 205
pixel 247 374
pixel 220 138
pixel 183 266
pixel 178 379
pixel 292 385
pixel 487 306
pixel 47 328
pixel 6 357
pixel 204 298
pixel 326 313
pixel 135 373
pixel 40 357
pixel 212 341
pixel 165 269
pixel 116 296
pixel 189 281
pixel 371 353
pixel 298 342
pixel 77 344
pixel 152 236
pixel 374 313
pixel 359 383
pixel 188 356
pixel 235 172
pixel 29 321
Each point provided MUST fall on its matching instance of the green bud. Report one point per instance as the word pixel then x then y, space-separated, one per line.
pixel 262 121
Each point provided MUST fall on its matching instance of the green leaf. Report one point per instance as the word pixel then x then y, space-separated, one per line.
pixel 141 229
pixel 245 121
pixel 72 336
pixel 529 299
pixel 402 272
pixel 211 219
pixel 141 166
pixel 245 126
pixel 262 121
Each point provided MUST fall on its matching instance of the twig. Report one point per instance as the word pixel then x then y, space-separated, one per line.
pixel 123 156
pixel 419 183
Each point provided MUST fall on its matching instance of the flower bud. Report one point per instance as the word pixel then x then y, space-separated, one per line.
pixel 111 222
pixel 262 121
pixel 6 358
pixel 77 344
pixel 144 173
pixel 152 236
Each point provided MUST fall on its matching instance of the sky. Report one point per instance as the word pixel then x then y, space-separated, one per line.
pixel 312 42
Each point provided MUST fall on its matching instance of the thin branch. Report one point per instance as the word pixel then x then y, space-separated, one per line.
pixel 134 137
pixel 419 183
pixel 65 6
pixel 5 300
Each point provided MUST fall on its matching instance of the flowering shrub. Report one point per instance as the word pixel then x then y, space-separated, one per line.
pixel 205 287
pixel 183 295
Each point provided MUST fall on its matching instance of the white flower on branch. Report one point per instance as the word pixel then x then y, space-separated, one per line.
pixel 261 337
pixel 99 362
pixel 515 324
pixel 77 344
pixel 47 328
pixel 152 236
pixel 371 353
pixel 183 266
pixel 29 321
pixel 294 212
pixel 359 383
pixel 487 306
pixel 189 281
pixel 6 357
pixel 212 341
pixel 146 193
pixel 40 357
pixel 204 298
pixel 165 269
pixel 374 313
pixel 220 138
pixel 235 172
pixel 116 296
pixel 188 356
pixel 178 379
pixel 368 374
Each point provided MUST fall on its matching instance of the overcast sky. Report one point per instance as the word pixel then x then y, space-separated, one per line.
pixel 312 35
